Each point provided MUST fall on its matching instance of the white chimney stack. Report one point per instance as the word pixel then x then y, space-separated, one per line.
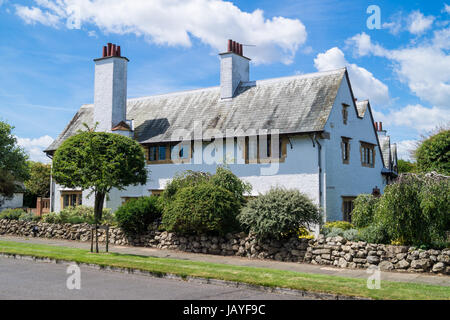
pixel 234 69
pixel 110 89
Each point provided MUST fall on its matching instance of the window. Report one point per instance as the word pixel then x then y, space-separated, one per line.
pixel 347 208
pixel 258 149
pixel 367 154
pixel 126 199
pixel 71 199
pixel 168 153
pixel 179 151
pixel 345 113
pixel 162 153
pixel 345 149
pixel 156 192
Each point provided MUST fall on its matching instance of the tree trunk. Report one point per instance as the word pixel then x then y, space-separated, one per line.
pixel 98 210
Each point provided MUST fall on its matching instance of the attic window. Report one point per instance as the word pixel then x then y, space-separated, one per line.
pixel 367 154
pixel 345 148
pixel 345 113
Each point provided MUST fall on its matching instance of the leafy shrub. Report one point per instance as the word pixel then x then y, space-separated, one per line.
pixel 201 209
pixel 135 215
pixel 351 235
pixel 415 209
pixel 214 213
pixel 11 214
pixel 304 233
pixel 328 226
pixel 278 213
pixel 364 210
pixel 222 178
pixel 374 233
pixel 77 215
pixel 26 216
pixel 334 232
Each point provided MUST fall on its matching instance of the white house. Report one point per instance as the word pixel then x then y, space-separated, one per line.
pixel 306 132
pixel 14 202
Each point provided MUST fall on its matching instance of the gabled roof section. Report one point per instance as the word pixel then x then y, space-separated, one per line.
pixel 296 104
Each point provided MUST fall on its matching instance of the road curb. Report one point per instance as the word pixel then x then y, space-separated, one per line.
pixel 200 280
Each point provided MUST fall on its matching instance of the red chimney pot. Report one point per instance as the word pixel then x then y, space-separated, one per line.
pixel 108 53
pixel 104 51
pixel 381 126
pixel 113 50
pixel 118 51
pixel 230 45
pixel 241 52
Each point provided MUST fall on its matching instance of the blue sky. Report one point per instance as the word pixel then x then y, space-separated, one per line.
pixel 47 48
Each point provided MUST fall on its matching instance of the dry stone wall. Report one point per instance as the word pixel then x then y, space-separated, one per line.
pixel 335 251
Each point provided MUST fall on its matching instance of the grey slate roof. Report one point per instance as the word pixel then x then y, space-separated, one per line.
pixel 294 104
pixel 361 106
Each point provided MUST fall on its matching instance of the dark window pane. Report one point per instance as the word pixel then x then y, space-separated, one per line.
pixel 162 153
pixel 152 153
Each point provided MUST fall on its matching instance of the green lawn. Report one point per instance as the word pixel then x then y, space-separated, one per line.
pixel 251 275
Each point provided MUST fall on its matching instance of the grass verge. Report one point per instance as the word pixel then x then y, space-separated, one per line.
pixel 250 275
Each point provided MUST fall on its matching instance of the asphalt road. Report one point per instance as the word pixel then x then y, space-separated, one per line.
pixel 22 279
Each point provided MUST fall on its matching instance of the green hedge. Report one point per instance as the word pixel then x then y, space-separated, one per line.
pixel 135 216
pixel 198 202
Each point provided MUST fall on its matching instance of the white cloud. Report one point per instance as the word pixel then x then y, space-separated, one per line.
pixel 174 22
pixel 418 23
pixel 446 8
pixel 35 147
pixel 34 15
pixel 424 67
pixel 404 149
pixel 417 117
pixel 364 84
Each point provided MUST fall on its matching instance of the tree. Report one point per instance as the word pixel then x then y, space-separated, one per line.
pixel 39 182
pixel 99 161
pixel 404 166
pixel 13 166
pixel 433 153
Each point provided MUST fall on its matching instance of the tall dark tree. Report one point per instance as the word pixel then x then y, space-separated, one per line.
pixel 13 166
pixel 99 161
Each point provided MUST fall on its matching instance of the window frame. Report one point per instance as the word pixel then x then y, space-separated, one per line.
pixel 368 153
pixel 70 196
pixel 345 113
pixel 167 153
pixel 347 216
pixel 265 159
pixel 345 149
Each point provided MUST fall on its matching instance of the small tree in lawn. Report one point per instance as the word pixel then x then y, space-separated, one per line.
pixel 99 161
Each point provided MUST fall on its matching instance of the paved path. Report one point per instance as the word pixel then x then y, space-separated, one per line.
pixel 25 279
pixel 239 261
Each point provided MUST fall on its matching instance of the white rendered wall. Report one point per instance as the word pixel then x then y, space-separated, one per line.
pixel 110 92
pixel 233 70
pixel 348 179
pixel 15 202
